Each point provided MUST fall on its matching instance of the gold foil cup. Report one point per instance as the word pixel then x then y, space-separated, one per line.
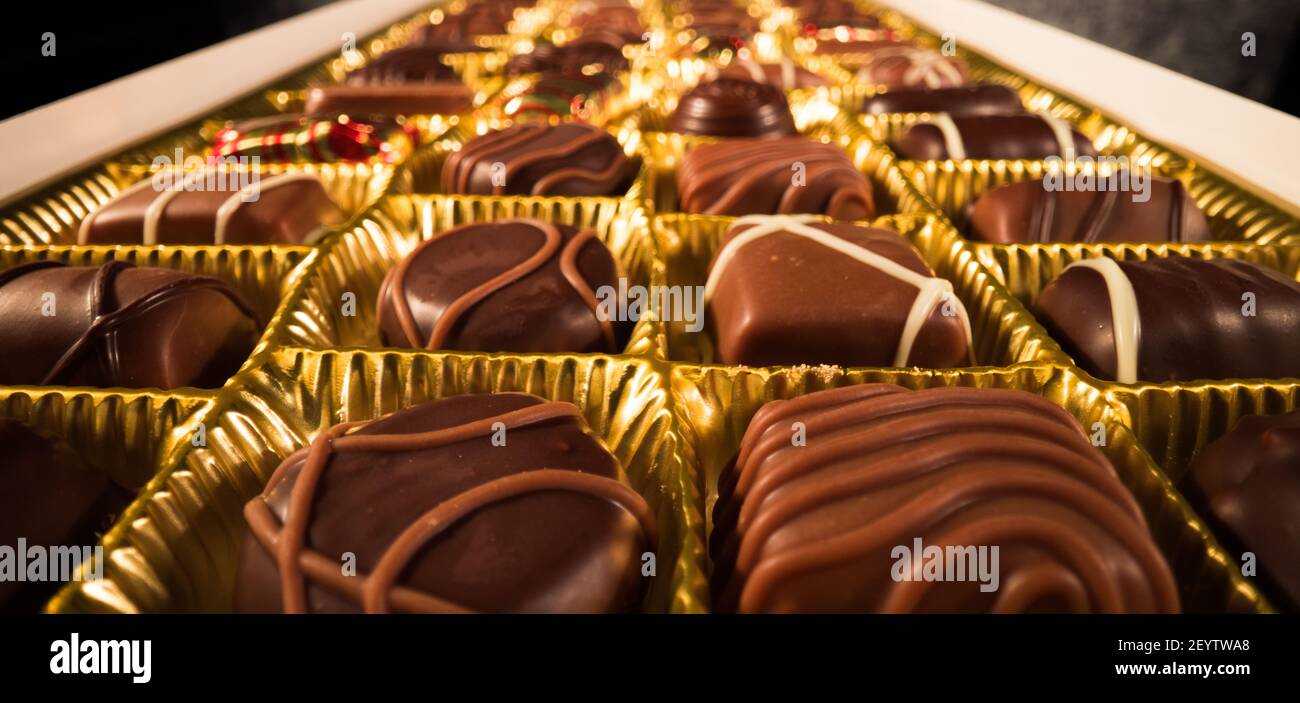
pixel 179 551
pixel 337 307
pixel 1004 332
pixel 715 404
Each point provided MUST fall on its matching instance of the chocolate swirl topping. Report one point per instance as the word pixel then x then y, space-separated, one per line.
pixel 566 159
pixel 443 494
pixel 814 528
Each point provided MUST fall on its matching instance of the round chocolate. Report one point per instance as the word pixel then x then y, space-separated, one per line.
pixel 532 159
pixel 118 325
pixel 731 107
pixel 437 515
pixel 523 286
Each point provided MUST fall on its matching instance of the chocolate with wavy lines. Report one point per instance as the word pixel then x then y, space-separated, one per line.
pixel 506 286
pixel 773 176
pixel 120 325
pixel 1175 318
pixel 788 290
pixel 815 528
pixel 441 516
pixel 571 159
pixel 733 107
pixel 904 65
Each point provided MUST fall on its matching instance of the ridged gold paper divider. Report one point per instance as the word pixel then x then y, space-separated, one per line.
pixel 1004 331
pixel 715 405
pixel 262 275
pixel 1235 212
pixel 357 261
pixel 186 538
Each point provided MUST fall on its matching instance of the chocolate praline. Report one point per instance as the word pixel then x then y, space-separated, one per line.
pixel 570 159
pixel 523 286
pixel 963 101
pixel 437 514
pixel 731 107
pixel 119 325
pixel 992 137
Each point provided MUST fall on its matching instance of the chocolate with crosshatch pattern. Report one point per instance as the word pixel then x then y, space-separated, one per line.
pixel 499 502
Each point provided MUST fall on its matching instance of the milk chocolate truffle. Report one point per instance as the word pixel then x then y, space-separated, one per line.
pixel 565 159
pixel 732 107
pixel 215 206
pixel 791 290
pixel 1250 481
pixel 119 325
pixel 442 517
pixel 1029 212
pixel 1024 513
pixel 507 286
pixel 1175 319
pixel 963 101
pixel 784 75
pixel 993 137
pixel 49 498
pixel 903 65
pixel 773 176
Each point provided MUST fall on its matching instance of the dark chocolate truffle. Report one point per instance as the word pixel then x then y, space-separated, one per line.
pixel 963 101
pixel 993 137
pixel 1028 212
pixel 215 206
pixel 792 290
pixel 1175 319
pixel 506 286
pixel 732 107
pixel 948 500
pixel 1250 481
pixel 773 176
pixel 440 516
pixel 564 159
pixel 49 498
pixel 118 325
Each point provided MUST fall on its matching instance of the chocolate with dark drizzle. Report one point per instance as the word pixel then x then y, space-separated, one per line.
pixel 375 591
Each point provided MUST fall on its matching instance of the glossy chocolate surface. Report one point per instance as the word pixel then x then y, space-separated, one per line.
pixel 1191 319
pixel 963 101
pixel 49 497
pixel 1250 481
pixel 785 299
pixel 731 107
pixel 513 286
pixel 215 207
pixel 817 526
pixel 785 75
pixel 408 64
pixel 990 137
pixel 119 325
pixel 1028 212
pixel 773 176
pixel 564 159
pixel 542 522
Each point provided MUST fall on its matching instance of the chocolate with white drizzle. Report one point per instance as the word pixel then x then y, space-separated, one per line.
pixel 784 74
pixel 524 286
pixel 440 517
pixel 814 527
pixel 119 325
pixel 992 137
pixel 571 159
pixel 1175 319
pixel 773 176
pixel 214 206
pixel 791 290
pixel 904 65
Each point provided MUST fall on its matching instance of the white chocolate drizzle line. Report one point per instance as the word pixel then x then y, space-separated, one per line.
pixel 1125 322
pixel 931 291
pixel 1064 136
pixel 228 208
pixel 952 140
pixel 926 66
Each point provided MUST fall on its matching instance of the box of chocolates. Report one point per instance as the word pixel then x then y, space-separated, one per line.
pixel 679 307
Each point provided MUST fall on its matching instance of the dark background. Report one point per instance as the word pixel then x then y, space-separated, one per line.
pixel 102 40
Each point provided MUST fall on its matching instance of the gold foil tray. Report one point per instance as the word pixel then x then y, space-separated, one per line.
pixel 715 404
pixel 1004 332
pixel 179 550
pixel 356 261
